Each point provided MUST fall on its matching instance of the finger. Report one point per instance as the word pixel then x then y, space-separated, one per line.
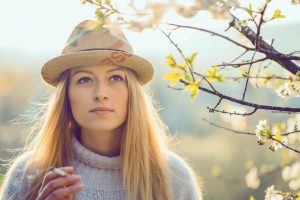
pixel 59 183
pixel 62 192
pixel 52 175
pixel 69 197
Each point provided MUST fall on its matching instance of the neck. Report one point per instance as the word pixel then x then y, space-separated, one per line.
pixel 107 143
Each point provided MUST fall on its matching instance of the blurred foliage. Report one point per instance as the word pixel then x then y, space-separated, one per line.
pixel 220 159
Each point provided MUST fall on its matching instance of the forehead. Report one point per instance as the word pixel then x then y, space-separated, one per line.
pixel 97 69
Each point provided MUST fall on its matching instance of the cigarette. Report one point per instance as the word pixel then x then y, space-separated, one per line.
pixel 60 172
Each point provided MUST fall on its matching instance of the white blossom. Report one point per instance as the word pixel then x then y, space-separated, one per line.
pixel 272 194
pixel 252 179
pixel 289 89
pixel 276 145
pixel 292 124
pixel 292 174
pixel 262 130
pixel 284 91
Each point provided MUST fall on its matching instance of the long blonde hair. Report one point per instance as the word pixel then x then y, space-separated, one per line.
pixel 143 149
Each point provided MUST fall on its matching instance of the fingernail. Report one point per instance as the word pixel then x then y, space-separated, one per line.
pixel 79 186
pixel 77 176
pixel 69 168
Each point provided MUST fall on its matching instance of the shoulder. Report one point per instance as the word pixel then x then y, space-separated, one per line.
pixel 19 165
pixel 15 178
pixel 184 181
pixel 177 164
pixel 20 162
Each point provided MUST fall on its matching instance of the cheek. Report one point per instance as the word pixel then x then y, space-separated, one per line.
pixel 78 102
pixel 124 102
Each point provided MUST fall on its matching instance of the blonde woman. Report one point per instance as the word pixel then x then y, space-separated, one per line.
pixel 100 137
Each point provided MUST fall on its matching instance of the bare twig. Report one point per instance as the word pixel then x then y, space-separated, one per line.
pixel 184 58
pixel 239 56
pixel 254 77
pixel 232 113
pixel 292 132
pixel 247 80
pixel 228 129
pixel 295 52
pixel 180 51
pixel 220 100
pixel 265 48
pixel 286 146
pixel 245 103
pixel 258 38
pixel 248 133
pixel 236 65
pixel 213 33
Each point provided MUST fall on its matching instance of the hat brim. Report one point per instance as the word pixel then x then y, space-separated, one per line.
pixel 52 69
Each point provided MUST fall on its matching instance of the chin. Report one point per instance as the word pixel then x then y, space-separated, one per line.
pixel 101 128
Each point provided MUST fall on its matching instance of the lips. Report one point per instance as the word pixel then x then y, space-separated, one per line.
pixel 102 109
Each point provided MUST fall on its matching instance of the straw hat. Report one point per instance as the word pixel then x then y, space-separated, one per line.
pixel 92 44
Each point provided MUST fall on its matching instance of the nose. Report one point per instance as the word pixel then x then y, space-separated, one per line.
pixel 100 91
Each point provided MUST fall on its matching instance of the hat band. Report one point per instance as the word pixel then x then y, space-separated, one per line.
pixel 95 49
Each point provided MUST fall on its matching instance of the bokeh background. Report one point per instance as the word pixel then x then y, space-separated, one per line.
pixel 34 31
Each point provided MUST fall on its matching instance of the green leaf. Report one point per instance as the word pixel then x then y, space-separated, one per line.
pixel 221 78
pixel 213 75
pixel 298 196
pixel 182 67
pixel 191 59
pixel 188 78
pixel 193 89
pixel 278 136
pixel 277 14
pixel 173 77
pixel 249 10
pixel 268 77
pixel 298 74
pixel 170 61
pixel 235 79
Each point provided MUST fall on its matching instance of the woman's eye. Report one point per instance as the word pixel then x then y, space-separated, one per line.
pixel 84 80
pixel 116 78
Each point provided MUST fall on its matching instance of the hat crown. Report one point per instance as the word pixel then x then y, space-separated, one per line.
pixel 91 44
pixel 91 35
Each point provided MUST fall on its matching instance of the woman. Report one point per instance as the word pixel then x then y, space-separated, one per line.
pixel 100 129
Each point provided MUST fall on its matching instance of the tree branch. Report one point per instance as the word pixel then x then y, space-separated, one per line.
pixel 265 48
pixel 286 146
pixel 180 51
pixel 252 134
pixel 231 113
pixel 247 80
pixel 213 33
pixel 245 103
pixel 236 65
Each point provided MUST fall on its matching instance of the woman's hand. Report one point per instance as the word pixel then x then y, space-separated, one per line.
pixel 55 186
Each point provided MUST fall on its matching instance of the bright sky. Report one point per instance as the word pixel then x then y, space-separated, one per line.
pixel 40 26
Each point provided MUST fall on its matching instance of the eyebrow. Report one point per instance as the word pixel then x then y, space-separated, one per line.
pixel 90 72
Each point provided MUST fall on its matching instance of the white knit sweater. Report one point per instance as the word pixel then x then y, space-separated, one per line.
pixel 101 177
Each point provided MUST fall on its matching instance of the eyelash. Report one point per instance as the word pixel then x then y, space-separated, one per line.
pixel 120 78
pixel 84 78
pixel 88 79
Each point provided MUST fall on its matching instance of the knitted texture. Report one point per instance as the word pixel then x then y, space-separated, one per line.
pixel 101 176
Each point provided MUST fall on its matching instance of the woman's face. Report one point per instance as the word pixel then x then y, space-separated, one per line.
pixel 98 97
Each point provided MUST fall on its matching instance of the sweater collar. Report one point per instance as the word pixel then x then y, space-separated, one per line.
pixel 93 159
